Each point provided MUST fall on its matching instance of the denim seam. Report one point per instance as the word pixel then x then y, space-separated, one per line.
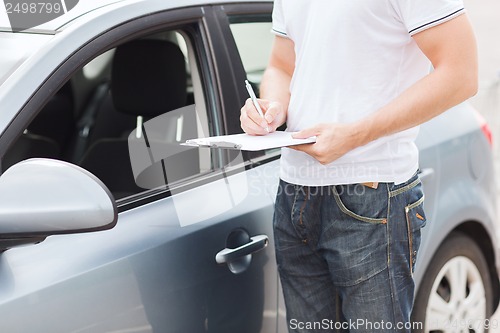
pixel 387 228
pixel 415 204
pixel 393 292
pixel 345 210
pixel 410 230
pixel 389 271
pixel 404 188
pixel 410 240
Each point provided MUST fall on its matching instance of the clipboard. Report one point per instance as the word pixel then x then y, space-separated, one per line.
pixel 248 142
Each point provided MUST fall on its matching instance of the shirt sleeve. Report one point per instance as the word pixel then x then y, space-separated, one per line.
pixel 419 15
pixel 278 27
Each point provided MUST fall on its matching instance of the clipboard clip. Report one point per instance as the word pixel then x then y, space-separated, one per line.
pixel 214 144
pixel 224 144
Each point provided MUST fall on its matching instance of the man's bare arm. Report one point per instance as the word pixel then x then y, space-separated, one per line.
pixel 451 47
pixel 274 91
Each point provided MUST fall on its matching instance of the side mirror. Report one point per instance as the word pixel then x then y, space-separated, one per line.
pixel 43 197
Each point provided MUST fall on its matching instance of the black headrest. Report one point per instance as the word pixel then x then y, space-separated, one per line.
pixel 148 78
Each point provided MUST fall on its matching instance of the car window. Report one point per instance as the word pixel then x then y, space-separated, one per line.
pixel 123 117
pixel 254 40
pixel 253 37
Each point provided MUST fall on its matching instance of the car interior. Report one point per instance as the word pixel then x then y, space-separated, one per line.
pixel 124 114
pixel 88 122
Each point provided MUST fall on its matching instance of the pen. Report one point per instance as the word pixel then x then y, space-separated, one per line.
pixel 254 100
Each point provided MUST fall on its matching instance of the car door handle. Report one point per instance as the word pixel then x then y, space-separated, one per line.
pixel 256 244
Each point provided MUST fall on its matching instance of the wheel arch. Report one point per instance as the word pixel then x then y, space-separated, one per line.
pixel 476 236
pixel 477 232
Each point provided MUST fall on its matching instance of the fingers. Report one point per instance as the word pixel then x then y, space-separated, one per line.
pixel 274 115
pixel 332 142
pixel 307 133
pixel 306 148
pixel 251 121
pixel 315 151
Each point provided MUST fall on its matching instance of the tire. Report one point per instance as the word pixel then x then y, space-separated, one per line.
pixel 456 292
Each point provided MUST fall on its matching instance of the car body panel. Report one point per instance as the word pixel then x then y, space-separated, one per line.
pixel 461 197
pixel 110 272
pixel 156 269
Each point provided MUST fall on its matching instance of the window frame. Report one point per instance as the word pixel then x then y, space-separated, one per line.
pixel 227 49
pixel 190 20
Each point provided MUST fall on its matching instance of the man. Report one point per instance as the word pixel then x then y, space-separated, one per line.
pixel 356 74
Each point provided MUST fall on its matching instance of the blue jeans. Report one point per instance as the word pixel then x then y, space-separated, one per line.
pixel 346 255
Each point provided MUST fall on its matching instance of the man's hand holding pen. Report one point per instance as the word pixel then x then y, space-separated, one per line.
pixel 254 124
pixel 260 116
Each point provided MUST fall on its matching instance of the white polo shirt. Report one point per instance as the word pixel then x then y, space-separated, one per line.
pixel 352 58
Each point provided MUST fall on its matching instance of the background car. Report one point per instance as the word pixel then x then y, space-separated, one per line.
pixel 179 239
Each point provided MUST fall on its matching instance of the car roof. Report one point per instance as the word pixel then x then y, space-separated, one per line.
pixel 88 6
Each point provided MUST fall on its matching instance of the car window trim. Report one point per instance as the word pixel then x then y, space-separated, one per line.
pixel 229 63
pixel 98 45
pixel 230 71
pixel 176 18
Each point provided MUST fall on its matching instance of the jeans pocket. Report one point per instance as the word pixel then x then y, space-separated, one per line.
pixel 363 203
pixel 415 219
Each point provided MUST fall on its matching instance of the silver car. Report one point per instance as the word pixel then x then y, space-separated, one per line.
pixel 108 224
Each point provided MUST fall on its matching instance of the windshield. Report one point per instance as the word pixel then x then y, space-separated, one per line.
pixel 16 48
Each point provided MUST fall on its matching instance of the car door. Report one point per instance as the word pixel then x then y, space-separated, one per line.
pixel 246 43
pixel 192 249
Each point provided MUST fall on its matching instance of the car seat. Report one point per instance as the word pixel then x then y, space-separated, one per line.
pixel 148 79
pixel 48 134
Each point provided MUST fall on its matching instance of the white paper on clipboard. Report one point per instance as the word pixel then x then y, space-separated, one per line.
pixel 250 142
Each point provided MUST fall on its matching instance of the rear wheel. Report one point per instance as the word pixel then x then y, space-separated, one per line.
pixel 455 295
